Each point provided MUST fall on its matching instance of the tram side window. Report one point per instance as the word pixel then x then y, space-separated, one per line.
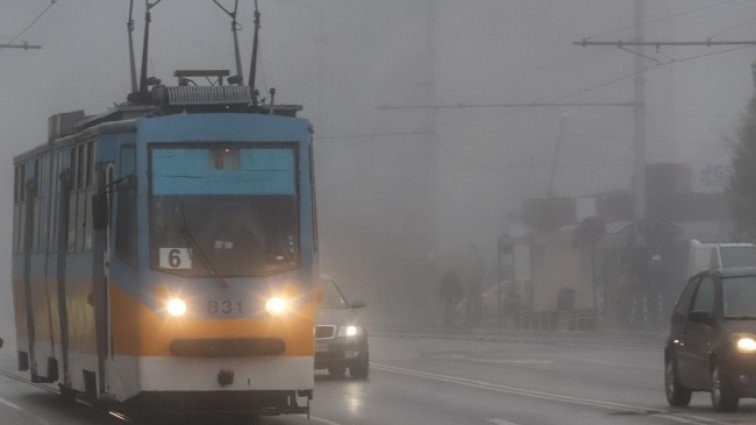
pixel 314 202
pixel 80 167
pixel 40 205
pixel 15 209
pixel 81 198
pixel 22 206
pixel 90 164
pixel 65 182
pixel 72 201
pixel 36 205
pixel 89 191
pixel 82 189
pixel 126 214
pixel 18 209
pixel 54 200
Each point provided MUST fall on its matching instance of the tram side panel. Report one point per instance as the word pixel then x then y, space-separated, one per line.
pixel 35 297
pixel 45 296
pixel 53 303
pixel 75 278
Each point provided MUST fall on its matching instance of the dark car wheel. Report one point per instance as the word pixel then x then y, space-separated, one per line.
pixel 361 368
pixel 337 371
pixel 677 395
pixel 723 397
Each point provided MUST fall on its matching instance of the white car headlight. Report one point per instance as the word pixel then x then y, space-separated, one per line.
pixel 176 307
pixel 746 344
pixel 349 331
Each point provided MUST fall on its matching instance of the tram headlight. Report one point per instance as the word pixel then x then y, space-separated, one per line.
pixel 176 307
pixel 276 306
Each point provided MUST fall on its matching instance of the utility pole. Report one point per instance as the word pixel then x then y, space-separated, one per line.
pixel 555 159
pixel 639 117
pixel 431 144
pixel 639 101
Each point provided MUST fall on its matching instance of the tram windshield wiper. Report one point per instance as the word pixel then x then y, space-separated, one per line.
pixel 195 245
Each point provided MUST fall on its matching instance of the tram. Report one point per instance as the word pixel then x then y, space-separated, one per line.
pixel 165 252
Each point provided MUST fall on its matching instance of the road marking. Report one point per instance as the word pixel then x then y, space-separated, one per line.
pixel 18 408
pixel 323 420
pixel 498 361
pixel 12 405
pixel 473 359
pixel 603 404
pixel 583 359
pixel 497 421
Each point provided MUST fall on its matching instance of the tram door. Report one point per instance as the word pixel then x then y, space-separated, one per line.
pixel 41 356
pixel 101 268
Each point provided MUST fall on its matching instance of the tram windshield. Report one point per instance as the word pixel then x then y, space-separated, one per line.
pixel 226 211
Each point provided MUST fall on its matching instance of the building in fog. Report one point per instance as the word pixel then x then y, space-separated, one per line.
pixel 584 245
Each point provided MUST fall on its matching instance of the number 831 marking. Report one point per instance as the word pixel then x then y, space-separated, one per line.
pixel 225 307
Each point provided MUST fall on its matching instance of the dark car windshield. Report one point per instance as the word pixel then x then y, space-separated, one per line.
pixel 332 297
pixel 230 211
pixel 739 296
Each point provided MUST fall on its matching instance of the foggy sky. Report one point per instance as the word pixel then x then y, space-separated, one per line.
pixel 401 191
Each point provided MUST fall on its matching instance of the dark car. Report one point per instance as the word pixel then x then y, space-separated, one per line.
pixel 341 339
pixel 712 343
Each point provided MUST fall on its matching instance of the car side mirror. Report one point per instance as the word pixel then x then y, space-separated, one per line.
pixel 700 317
pixel 128 183
pixel 358 304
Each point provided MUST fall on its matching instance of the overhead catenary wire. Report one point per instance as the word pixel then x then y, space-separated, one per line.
pixel 516 107
pixel 732 27
pixel 662 18
pixel 528 74
pixel 623 48
pixel 621 78
pixel 647 68
pixel 704 55
pixel 31 24
pixel 555 100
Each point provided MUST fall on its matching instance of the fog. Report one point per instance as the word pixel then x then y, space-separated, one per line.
pixel 404 194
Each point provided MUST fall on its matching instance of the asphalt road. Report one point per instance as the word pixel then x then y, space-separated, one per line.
pixel 441 381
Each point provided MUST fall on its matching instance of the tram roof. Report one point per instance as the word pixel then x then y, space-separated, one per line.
pixel 70 127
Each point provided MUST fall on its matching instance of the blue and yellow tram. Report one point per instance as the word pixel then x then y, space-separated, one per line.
pixel 165 254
